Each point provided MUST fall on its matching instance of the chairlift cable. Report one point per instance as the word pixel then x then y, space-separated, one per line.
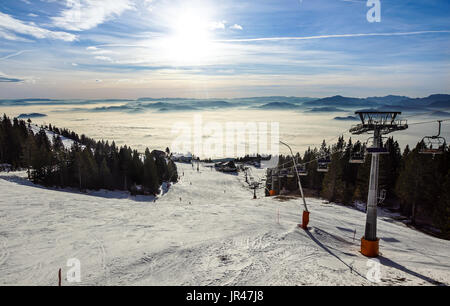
pixel 342 134
pixel 432 121
pixel 328 155
pixel 428 113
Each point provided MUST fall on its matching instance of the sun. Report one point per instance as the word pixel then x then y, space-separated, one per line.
pixel 191 38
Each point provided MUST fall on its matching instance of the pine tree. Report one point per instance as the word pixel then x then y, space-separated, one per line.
pixel 173 173
pixel 105 175
pixel 151 179
pixel 441 215
pixel 29 148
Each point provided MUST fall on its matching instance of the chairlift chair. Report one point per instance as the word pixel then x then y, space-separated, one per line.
pixel 371 149
pixel 283 173
pixel 433 144
pixel 322 168
pixel 357 158
pixel 322 164
pixel 290 173
pixel 301 170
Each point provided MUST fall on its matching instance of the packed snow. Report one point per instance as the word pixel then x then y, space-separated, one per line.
pixel 205 230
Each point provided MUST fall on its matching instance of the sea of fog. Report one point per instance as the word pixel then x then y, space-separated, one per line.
pixel 158 130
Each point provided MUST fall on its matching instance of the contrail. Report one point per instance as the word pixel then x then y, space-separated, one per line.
pixel 14 54
pixel 332 36
pixel 298 38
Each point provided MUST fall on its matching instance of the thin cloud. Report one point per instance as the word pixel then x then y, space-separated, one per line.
pixel 9 26
pixel 236 27
pixel 104 58
pixel 218 25
pixel 88 14
pixel 7 79
pixel 332 36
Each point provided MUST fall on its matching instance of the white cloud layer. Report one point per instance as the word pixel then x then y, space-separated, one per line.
pixel 9 27
pixel 83 15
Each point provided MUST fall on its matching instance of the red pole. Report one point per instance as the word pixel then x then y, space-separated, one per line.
pixel 59 278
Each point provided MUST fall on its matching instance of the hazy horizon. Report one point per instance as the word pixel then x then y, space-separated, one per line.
pixel 110 98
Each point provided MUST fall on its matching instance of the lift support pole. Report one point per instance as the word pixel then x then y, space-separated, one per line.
pixel 380 123
pixel 372 198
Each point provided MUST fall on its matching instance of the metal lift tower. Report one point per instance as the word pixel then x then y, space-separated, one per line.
pixel 378 123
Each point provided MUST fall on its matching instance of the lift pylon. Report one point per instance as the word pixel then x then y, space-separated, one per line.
pixel 378 123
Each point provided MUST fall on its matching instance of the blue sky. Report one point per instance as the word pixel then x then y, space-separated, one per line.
pixel 228 48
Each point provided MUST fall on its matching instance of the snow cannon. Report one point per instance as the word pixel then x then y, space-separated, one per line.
pixel 305 220
pixel 370 248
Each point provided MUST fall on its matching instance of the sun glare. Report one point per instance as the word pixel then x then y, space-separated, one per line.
pixel 190 41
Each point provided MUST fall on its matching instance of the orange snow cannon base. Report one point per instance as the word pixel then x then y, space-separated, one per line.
pixel 305 220
pixel 370 248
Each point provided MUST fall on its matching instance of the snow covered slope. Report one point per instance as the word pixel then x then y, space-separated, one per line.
pixel 207 230
pixel 67 142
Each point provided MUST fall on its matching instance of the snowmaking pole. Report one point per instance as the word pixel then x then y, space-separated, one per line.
pixel 305 217
pixel 380 123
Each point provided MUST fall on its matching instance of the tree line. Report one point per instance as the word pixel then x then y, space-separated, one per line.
pixel 417 184
pixel 88 164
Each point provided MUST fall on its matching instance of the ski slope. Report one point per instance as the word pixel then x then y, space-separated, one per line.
pixel 67 142
pixel 206 230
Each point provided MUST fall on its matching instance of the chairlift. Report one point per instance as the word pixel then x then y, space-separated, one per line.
pixel 433 144
pixel 301 170
pixel 371 149
pixel 357 158
pixel 322 164
pixel 283 173
pixel 290 173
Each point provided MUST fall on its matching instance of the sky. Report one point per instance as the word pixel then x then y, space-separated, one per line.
pixel 71 49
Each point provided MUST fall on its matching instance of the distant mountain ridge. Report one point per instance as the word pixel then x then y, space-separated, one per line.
pixel 31 115
pixel 335 103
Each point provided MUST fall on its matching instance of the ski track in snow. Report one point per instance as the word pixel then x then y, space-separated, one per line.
pixel 216 235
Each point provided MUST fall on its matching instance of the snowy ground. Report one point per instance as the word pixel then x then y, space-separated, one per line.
pixel 207 230
pixel 66 141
